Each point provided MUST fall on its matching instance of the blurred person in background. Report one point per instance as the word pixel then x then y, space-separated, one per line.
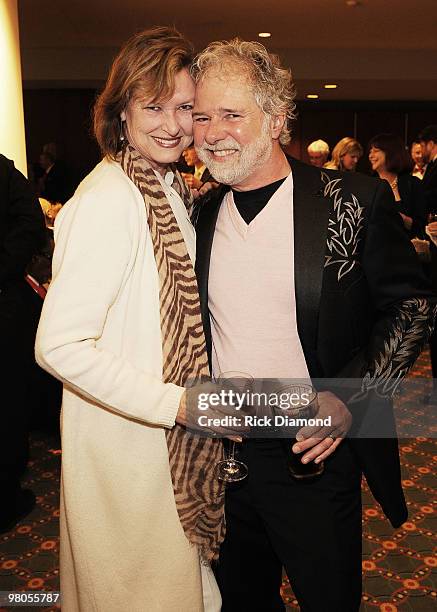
pixel 345 155
pixel 200 173
pixel 390 160
pixel 417 157
pixel 431 231
pixel 54 183
pixel 22 234
pixel 318 153
pixel 141 508
pixel 428 142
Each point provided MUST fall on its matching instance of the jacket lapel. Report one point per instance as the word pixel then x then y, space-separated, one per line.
pixel 311 214
pixel 205 228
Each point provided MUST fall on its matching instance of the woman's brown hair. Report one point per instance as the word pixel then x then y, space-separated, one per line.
pixel 147 65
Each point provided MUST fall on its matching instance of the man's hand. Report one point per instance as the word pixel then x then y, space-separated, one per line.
pixel 322 441
pixel 207 187
pixel 408 221
pixel 191 180
pixel 204 188
pixel 431 230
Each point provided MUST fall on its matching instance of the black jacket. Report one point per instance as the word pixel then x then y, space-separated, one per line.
pixel 362 302
pixel 55 184
pixel 413 203
pixel 429 183
pixel 22 227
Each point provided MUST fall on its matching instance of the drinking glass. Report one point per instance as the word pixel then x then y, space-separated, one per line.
pixel 300 409
pixel 230 469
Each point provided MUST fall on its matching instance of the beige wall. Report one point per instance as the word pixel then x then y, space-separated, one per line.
pixel 12 136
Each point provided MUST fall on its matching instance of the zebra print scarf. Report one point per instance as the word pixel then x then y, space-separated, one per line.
pixel 198 494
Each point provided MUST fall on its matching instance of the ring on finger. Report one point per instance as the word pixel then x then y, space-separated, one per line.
pixel 333 438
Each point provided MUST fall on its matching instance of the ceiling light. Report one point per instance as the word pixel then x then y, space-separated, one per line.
pixel 264 34
pixel 312 96
pixel 330 86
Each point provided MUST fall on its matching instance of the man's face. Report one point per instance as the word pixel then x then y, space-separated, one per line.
pixel 44 161
pixel 317 159
pixel 231 133
pixel 190 156
pixel 416 153
pixel 427 150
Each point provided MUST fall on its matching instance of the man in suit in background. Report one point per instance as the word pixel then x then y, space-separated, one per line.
pixel 302 273
pixel 428 142
pixel 22 233
pixel 417 157
pixel 199 176
pixel 54 181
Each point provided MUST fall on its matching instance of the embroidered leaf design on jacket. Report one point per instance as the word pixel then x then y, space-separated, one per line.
pixel 344 227
pixel 411 328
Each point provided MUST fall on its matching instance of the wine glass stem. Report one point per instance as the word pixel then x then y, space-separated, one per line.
pixel 232 450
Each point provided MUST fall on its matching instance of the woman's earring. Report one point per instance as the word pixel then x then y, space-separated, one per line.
pixel 121 131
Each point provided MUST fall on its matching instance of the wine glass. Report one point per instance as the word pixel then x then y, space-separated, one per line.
pixel 230 469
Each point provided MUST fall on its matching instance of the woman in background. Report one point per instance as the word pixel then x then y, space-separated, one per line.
pixel 345 155
pixel 121 328
pixel 390 160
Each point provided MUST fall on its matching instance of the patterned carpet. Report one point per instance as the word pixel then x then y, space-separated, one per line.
pixel 29 554
pixel 399 567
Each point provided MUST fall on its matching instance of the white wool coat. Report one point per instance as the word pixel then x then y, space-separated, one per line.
pixel 122 545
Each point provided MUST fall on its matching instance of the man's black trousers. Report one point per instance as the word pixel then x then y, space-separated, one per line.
pixel 312 529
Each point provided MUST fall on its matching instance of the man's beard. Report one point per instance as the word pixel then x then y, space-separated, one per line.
pixel 240 165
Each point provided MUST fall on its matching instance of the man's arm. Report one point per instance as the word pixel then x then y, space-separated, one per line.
pixel 405 310
pixel 404 305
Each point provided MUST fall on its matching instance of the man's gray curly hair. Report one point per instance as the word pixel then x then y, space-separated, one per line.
pixel 272 85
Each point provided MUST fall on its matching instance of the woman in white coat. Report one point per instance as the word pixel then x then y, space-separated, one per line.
pixel 141 509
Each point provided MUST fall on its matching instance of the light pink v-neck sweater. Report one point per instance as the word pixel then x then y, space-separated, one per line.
pixel 251 291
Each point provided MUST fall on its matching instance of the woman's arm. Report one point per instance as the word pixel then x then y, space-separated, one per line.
pixel 92 260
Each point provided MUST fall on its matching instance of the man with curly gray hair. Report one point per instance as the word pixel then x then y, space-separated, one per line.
pixel 273 93
pixel 293 263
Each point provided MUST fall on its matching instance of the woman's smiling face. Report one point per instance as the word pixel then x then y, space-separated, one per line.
pixel 377 159
pixel 160 131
